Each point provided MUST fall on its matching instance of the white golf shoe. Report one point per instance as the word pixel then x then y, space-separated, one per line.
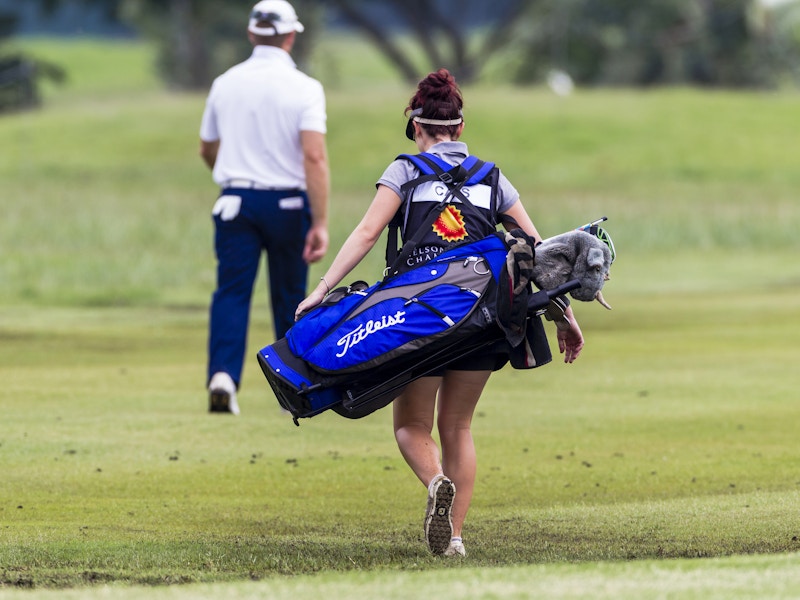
pixel 456 548
pixel 222 394
pixel 438 520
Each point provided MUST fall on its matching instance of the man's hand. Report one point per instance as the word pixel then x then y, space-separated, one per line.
pixel 316 244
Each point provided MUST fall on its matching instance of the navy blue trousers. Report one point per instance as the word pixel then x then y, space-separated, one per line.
pixel 275 222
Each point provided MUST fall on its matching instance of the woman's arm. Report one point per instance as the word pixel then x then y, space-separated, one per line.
pixel 520 215
pixel 570 341
pixel 383 207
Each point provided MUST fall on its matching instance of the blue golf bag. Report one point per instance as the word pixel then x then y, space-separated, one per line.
pixel 355 352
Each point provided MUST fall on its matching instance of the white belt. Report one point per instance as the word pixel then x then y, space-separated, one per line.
pixel 246 184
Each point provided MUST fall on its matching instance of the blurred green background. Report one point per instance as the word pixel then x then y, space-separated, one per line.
pixel 106 201
pixel 673 436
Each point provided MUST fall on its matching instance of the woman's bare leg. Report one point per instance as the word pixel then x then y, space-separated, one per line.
pixel 458 392
pixel 413 425
pixel 458 397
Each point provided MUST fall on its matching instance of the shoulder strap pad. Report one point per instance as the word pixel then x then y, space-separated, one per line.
pixel 480 174
pixel 425 167
pixel 428 164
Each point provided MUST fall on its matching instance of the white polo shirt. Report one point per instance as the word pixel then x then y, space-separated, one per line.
pixel 257 109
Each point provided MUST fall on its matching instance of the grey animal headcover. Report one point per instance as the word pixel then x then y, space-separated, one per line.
pixel 573 255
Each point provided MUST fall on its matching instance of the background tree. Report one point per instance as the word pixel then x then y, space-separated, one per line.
pixel 20 74
pixel 196 39
pixel 619 42
pixel 443 30
pixel 739 43
pixel 199 39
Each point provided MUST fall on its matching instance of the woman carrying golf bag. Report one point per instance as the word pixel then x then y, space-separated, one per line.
pixel 407 196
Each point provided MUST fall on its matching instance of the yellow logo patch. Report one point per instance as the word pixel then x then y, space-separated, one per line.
pixel 450 225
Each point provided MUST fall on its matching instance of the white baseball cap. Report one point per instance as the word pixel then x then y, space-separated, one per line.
pixel 279 13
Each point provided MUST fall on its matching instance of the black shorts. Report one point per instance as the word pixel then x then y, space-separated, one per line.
pixel 492 358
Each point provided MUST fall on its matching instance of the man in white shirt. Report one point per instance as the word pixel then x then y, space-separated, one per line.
pixel 263 136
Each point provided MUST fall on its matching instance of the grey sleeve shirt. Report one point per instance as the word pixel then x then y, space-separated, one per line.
pixel 400 171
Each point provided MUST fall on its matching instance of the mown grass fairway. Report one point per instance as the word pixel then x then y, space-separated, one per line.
pixel 664 463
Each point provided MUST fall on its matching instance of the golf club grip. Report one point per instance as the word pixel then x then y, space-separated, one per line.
pixel 540 299
pixel 572 284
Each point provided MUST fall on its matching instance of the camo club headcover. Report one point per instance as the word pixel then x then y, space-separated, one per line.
pixel 514 288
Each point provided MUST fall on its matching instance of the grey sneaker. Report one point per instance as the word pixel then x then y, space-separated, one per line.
pixel 438 520
pixel 456 548
pixel 222 394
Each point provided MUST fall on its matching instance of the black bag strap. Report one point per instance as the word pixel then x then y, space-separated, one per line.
pixel 473 171
pixel 454 179
pixel 432 168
